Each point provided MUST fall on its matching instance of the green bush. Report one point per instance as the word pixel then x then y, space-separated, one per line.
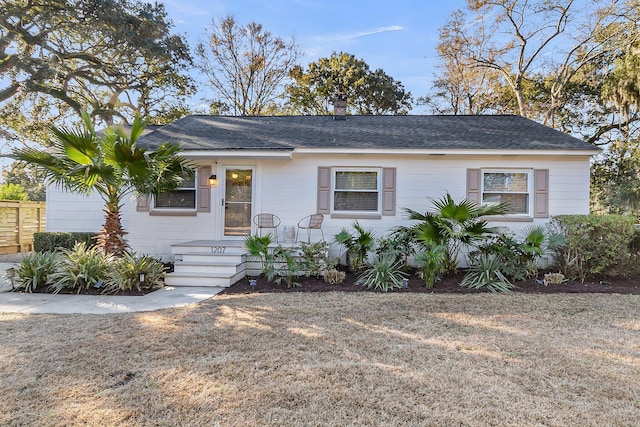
pixel 53 241
pixel 125 274
pixel 596 245
pixel 34 271
pixel 80 268
pixel 315 258
pixel 431 262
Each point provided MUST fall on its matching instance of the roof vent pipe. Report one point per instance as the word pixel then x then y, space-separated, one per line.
pixel 340 106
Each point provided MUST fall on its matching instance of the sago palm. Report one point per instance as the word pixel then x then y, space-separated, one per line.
pixel 111 164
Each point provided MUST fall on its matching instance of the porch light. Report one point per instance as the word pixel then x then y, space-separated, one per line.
pixel 213 180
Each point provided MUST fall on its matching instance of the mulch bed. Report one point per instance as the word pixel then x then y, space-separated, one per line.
pixel 448 285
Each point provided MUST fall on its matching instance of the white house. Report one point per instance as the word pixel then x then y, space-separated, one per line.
pixel 365 168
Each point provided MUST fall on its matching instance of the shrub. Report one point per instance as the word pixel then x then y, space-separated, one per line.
pixel 595 245
pixel 34 271
pixel 400 244
pixel 80 268
pixel 315 258
pixel 518 258
pixel 431 262
pixel 384 274
pixel 333 276
pixel 358 245
pixel 52 241
pixel 486 273
pixel 125 274
pixel 258 246
pixel 283 266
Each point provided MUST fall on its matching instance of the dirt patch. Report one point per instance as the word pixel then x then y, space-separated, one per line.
pixel 448 285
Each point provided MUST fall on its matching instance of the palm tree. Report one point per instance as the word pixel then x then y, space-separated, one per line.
pixel 111 164
pixel 453 225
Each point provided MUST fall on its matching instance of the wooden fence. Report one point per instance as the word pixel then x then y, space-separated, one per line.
pixel 18 222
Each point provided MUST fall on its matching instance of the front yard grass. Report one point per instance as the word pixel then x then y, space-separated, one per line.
pixel 330 359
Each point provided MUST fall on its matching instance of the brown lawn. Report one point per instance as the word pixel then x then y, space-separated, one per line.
pixel 305 359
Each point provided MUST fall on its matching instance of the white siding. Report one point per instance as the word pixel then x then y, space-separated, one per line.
pixel 73 212
pixel 287 188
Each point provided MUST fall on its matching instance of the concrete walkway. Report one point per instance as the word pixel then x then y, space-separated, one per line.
pixel 167 297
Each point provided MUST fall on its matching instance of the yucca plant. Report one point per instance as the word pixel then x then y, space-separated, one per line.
pixel 486 273
pixel 385 273
pixel 125 274
pixel 34 271
pixel 80 268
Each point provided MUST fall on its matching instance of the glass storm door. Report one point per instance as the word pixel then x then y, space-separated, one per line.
pixel 238 195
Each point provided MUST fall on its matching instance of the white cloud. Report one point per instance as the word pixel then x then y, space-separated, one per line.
pixel 355 35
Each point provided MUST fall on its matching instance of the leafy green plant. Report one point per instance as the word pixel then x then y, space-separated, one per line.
pixel 358 244
pixel 49 241
pixel 283 267
pixel 430 261
pixel 399 243
pixel 34 271
pixel 315 258
pixel 595 245
pixel 258 246
pixel 486 273
pixel 125 274
pixel 80 268
pixel 384 274
pixel 453 225
pixel 333 276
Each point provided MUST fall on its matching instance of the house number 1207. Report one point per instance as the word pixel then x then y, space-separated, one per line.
pixel 217 249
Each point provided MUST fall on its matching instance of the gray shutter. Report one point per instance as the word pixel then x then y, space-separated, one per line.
pixel 324 190
pixel 142 203
pixel 204 192
pixel 473 185
pixel 388 191
pixel 541 193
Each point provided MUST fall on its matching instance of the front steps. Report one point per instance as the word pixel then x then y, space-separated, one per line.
pixel 207 263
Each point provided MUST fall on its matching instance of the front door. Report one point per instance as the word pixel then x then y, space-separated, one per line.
pixel 238 201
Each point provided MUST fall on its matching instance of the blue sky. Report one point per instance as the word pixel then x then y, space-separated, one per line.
pixel 399 37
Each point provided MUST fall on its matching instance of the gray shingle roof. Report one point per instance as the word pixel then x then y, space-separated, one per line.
pixel 363 132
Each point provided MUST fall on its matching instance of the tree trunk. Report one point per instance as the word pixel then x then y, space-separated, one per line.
pixel 111 239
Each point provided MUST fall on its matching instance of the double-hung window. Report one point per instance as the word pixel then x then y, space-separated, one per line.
pixel 356 191
pixel 512 187
pixel 183 197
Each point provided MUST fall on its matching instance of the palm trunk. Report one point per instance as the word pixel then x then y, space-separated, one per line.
pixel 111 239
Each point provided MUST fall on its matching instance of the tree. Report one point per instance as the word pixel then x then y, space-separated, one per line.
pixel 111 164
pixel 13 192
pixel 458 88
pixel 245 65
pixel 367 92
pixel 541 44
pixel 30 178
pixel 615 179
pixel 114 58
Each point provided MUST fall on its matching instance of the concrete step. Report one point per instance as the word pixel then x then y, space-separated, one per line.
pixel 202 279
pixel 209 246
pixel 203 257
pixel 215 266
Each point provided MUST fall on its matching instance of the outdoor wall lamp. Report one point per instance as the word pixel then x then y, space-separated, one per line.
pixel 213 180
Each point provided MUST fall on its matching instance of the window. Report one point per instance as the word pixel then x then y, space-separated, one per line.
pixel 510 187
pixel 184 197
pixel 356 191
